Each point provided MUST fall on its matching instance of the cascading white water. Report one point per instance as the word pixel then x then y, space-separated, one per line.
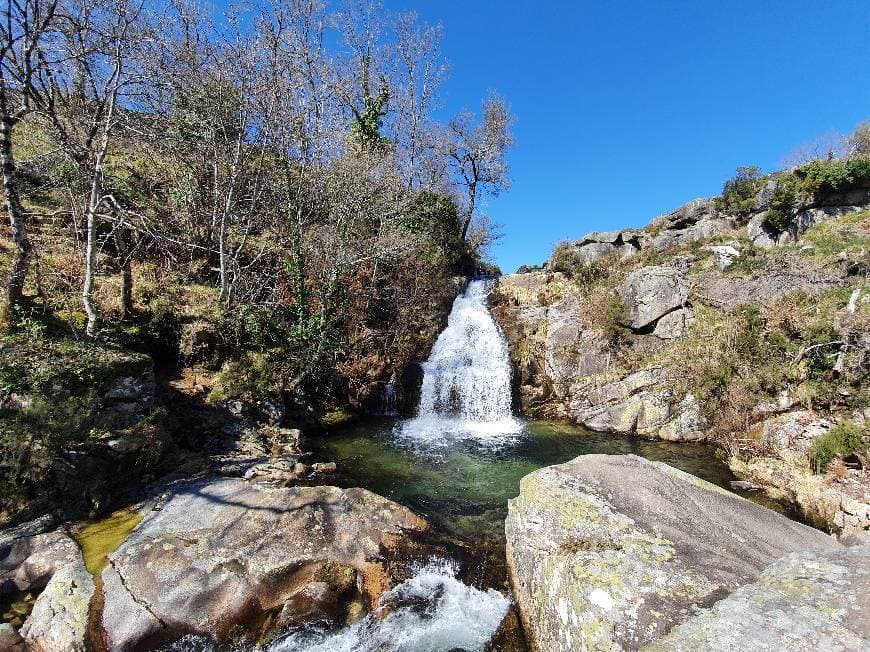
pixel 435 612
pixel 466 388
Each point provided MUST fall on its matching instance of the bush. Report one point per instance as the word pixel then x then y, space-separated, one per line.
pixel 829 177
pixel 738 193
pixel 841 440
pixel 784 202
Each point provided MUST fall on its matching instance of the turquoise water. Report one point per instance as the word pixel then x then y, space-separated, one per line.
pixel 462 486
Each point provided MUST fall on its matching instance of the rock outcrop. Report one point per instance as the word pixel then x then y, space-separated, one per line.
pixel 612 552
pixel 50 564
pixel 803 603
pixel 649 293
pixel 222 556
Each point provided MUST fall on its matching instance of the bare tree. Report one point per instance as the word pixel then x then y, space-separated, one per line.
pixel 420 71
pixel 79 94
pixel 477 152
pixel 24 26
pixel 830 145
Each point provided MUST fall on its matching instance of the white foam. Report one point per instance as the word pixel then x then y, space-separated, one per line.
pixel 466 390
pixel 447 615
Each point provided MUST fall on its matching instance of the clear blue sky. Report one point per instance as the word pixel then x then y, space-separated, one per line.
pixel 627 109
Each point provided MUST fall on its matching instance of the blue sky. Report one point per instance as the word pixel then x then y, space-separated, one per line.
pixel 628 109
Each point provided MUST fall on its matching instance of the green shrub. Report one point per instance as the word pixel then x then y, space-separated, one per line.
pixel 828 177
pixel 841 440
pixel 738 193
pixel 784 202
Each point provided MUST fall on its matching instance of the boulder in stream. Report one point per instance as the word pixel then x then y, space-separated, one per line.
pixel 611 552
pixel 222 557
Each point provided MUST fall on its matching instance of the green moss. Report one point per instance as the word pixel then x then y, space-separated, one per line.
pixel 99 540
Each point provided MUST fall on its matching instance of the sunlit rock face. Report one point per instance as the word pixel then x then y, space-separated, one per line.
pixel 221 556
pixel 611 552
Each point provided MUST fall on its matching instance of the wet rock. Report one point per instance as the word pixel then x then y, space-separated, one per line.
pixel 324 467
pixel 224 554
pixel 59 620
pixel 805 602
pixel 649 293
pixel 600 563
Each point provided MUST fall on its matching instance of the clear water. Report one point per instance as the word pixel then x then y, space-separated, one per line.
pixel 462 487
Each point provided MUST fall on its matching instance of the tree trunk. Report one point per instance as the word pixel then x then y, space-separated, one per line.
pixel 126 273
pixel 472 196
pixel 91 251
pixel 23 249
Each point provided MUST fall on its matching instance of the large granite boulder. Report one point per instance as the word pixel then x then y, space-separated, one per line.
pixel 222 556
pixel 803 603
pixel 59 620
pixel 49 563
pixel 28 562
pixel 649 293
pixel 611 552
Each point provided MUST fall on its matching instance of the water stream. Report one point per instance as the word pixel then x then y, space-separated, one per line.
pixel 457 463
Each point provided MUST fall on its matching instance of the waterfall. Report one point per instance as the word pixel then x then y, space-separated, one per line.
pixel 467 379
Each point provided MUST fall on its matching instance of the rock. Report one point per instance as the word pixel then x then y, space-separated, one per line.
pixel 625 406
pixel 687 424
pixel 743 485
pixel 10 640
pixel 597 562
pixel 793 430
pixel 324 467
pixel 724 255
pixel 139 389
pixel 805 602
pixel 222 555
pixel 760 234
pixel 806 219
pixel 59 620
pixel 779 275
pixel 650 292
pixel 687 215
pixel 674 324
pixel 703 230
pixel 28 562
pixel 855 538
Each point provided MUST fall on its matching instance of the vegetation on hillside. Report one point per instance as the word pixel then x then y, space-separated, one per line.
pixel 266 194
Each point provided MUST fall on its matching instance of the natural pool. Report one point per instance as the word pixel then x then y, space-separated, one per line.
pixel 462 485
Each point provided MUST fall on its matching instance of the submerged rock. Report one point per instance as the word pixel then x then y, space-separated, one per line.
pixel 611 552
pixel 222 556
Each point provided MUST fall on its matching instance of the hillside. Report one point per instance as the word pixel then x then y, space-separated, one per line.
pixel 741 320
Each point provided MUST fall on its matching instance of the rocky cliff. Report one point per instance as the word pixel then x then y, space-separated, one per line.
pixel 714 325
